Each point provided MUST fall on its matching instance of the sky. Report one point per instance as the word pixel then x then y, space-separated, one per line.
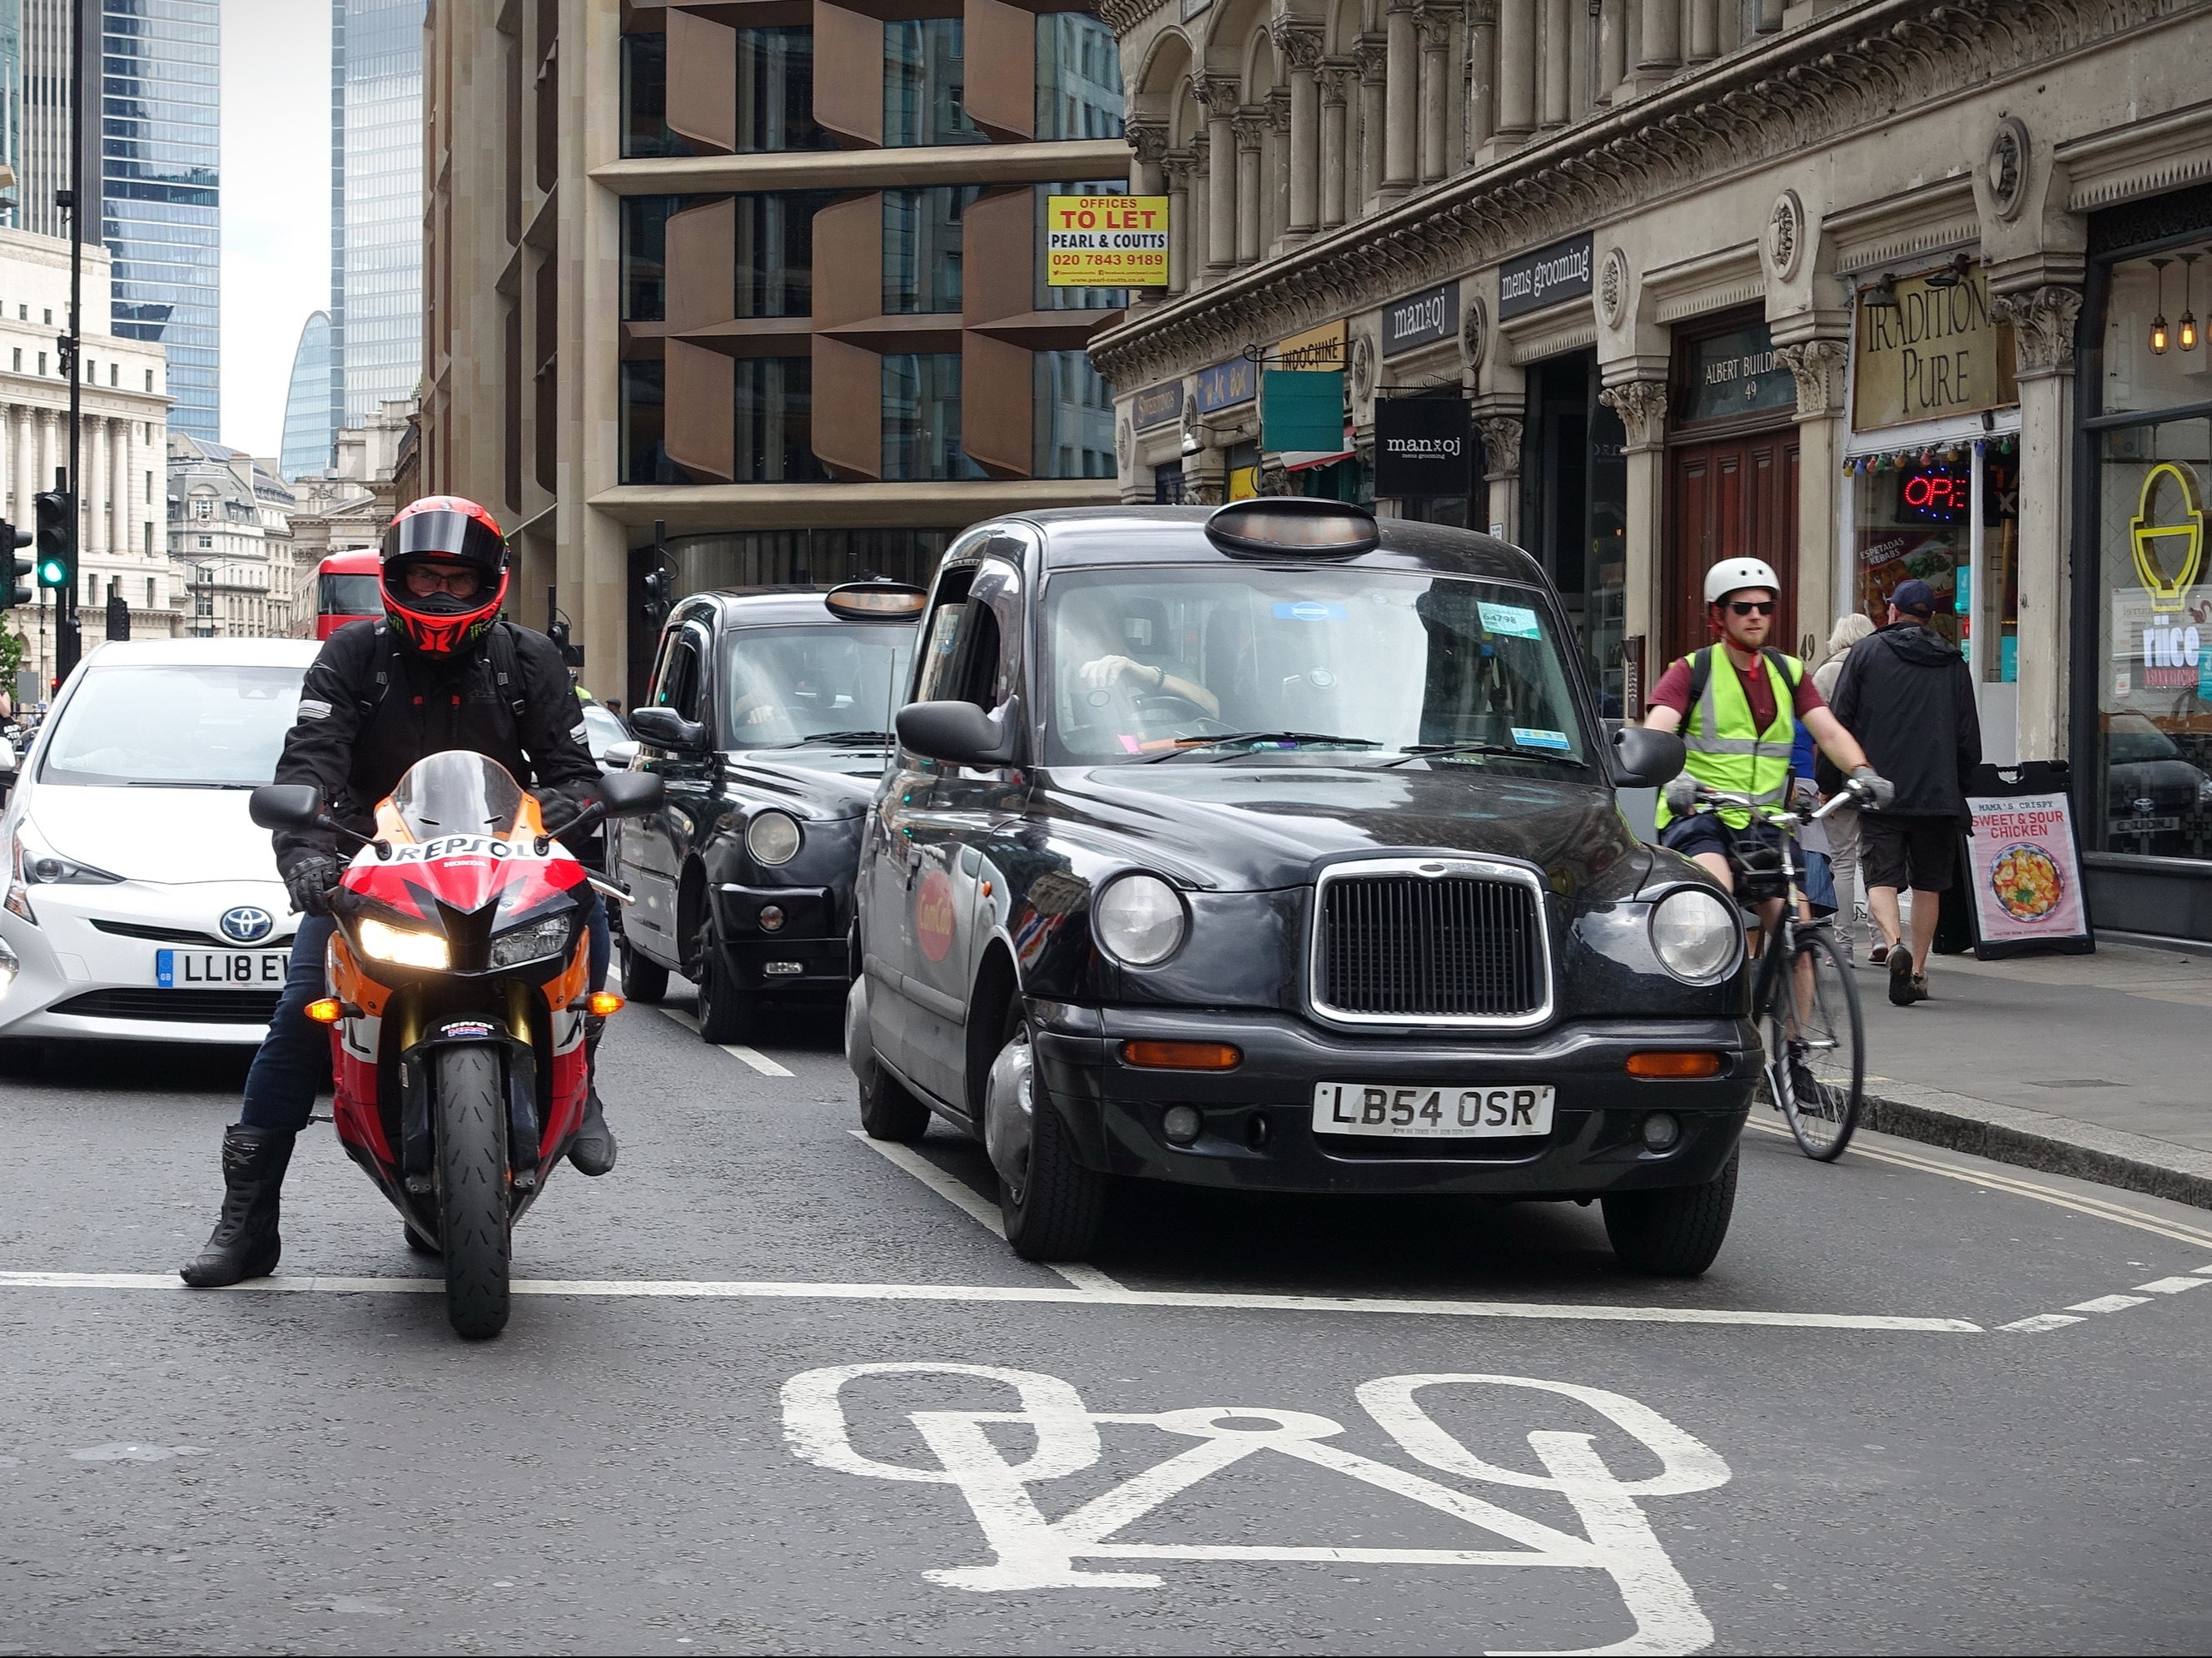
pixel 275 203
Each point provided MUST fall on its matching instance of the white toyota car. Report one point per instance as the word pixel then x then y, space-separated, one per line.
pixel 142 903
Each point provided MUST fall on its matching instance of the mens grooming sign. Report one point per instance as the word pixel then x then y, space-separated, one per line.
pixel 1550 275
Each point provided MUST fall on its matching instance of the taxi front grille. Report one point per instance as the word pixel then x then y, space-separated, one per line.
pixel 1430 943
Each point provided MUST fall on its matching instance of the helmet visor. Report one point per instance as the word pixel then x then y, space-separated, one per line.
pixel 445 535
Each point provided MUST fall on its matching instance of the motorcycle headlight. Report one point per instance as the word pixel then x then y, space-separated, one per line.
pixel 531 943
pixel 773 838
pixel 1140 920
pixel 1695 936
pixel 403 945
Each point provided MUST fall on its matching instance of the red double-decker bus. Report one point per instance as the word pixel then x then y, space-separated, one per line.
pixel 346 590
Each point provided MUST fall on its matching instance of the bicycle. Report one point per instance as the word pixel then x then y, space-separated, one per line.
pixel 1815 1067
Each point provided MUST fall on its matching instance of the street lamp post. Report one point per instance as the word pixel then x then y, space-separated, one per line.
pixel 68 638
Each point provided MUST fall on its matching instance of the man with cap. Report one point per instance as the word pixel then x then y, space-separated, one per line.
pixel 1907 695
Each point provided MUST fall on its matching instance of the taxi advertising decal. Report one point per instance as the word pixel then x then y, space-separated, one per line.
pixel 1106 241
pixel 933 916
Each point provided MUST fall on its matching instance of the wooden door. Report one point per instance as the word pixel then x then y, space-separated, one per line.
pixel 1731 498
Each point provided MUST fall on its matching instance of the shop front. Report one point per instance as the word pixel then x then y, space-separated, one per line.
pixel 2141 704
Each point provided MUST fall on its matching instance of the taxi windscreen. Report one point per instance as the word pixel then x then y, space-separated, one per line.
pixel 1147 664
pixel 785 686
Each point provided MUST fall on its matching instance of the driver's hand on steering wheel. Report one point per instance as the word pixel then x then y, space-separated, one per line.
pixel 1109 671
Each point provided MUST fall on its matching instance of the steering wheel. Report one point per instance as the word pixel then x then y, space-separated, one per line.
pixel 1163 705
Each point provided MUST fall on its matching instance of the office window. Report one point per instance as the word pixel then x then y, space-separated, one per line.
pixel 776 252
pixel 1078 77
pixel 922 417
pixel 642 399
pixel 921 248
pixel 1073 422
pixel 775 90
pixel 42 362
pixel 19 359
pixel 644 253
pixel 774 422
pixel 925 81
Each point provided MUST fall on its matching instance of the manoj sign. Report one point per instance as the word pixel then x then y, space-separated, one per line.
pixel 1106 241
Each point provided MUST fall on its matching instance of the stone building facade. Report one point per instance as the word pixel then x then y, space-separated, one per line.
pixel 230 539
pixel 1867 290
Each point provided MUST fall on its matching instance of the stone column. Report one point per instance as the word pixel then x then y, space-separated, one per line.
pixel 1817 366
pixel 1177 167
pixel 1659 53
pixel 1435 33
pixel 1642 406
pixel 1274 170
pixel 1251 130
pixel 1218 94
pixel 50 448
pixel 1300 45
pixel 1517 68
pixel 1364 184
pixel 1402 111
pixel 94 457
pixel 2043 320
pixel 1704 30
pixel 1501 469
pixel 1336 82
pixel 11 473
pixel 1612 47
pixel 1148 146
pixel 24 439
pixel 1481 74
pixel 118 492
pixel 1558 62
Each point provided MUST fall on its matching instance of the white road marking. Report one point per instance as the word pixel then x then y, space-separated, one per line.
pixel 2040 1322
pixel 2170 1286
pixel 751 1056
pixel 766 1289
pixel 2108 1304
pixel 979 1210
pixel 1031 1552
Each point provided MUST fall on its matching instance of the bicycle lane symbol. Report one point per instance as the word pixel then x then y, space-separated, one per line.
pixel 1034 1552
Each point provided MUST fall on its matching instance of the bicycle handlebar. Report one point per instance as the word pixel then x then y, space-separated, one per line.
pixel 1855 792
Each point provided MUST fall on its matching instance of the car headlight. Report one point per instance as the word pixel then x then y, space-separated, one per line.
pixel 403 945
pixel 773 837
pixel 32 863
pixel 10 965
pixel 1695 935
pixel 531 943
pixel 1140 920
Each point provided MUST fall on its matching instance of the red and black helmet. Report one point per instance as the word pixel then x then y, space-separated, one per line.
pixel 444 531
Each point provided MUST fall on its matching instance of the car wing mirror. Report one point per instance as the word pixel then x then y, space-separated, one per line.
pixel 7 758
pixel 285 806
pixel 620 755
pixel 1645 759
pixel 666 728
pixel 960 733
pixel 632 793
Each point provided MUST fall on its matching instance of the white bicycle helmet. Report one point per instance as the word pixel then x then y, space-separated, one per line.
pixel 1730 574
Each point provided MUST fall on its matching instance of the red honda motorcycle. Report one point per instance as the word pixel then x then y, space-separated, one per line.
pixel 458 985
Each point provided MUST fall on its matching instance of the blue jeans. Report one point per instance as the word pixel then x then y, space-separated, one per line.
pixel 280 1088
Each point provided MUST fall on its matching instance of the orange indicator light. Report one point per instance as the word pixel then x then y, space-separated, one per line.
pixel 1183 1056
pixel 326 1009
pixel 1673 1065
pixel 603 1002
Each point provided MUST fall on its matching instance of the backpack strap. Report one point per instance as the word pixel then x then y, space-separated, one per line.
pixel 1784 663
pixel 507 670
pixel 371 694
pixel 1701 672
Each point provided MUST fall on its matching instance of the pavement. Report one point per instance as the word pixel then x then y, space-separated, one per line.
pixel 772 1387
pixel 2090 1065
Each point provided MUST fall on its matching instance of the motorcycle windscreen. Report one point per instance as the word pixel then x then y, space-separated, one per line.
pixel 457 792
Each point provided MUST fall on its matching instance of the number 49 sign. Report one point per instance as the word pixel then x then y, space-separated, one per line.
pixel 1106 241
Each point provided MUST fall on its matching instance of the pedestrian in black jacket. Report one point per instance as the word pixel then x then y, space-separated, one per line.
pixel 1907 695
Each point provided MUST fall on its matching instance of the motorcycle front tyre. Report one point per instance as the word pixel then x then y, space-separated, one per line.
pixel 473 1181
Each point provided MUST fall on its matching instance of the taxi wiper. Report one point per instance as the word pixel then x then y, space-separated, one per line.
pixel 1193 744
pixel 1433 751
pixel 846 737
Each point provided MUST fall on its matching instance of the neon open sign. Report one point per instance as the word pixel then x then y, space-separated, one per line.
pixel 1940 497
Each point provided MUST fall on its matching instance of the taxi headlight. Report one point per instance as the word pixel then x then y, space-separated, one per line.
pixel 1695 936
pixel 1140 920
pixel 403 945
pixel 773 837
pixel 531 943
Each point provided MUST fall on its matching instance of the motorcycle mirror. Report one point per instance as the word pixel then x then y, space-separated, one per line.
pixel 285 806
pixel 631 794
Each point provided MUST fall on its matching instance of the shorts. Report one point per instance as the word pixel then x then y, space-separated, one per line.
pixel 1703 832
pixel 1919 853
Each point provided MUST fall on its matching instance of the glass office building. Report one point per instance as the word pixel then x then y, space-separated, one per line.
pixel 161 160
pixel 376 205
pixel 309 437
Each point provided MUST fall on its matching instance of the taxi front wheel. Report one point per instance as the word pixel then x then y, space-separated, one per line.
pixel 1053 1206
pixel 1675 1233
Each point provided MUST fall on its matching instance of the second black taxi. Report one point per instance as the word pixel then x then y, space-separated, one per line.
pixel 1278 847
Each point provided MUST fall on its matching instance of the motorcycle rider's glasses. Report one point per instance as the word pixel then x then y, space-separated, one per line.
pixel 424 579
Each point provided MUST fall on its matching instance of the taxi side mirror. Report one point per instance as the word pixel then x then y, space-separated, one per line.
pixel 1645 759
pixel 960 733
pixel 664 728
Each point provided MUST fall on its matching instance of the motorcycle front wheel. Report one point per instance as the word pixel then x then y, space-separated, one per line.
pixel 473 1181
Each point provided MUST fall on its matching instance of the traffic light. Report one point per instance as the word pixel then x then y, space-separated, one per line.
pixel 659 595
pixel 16 589
pixel 57 540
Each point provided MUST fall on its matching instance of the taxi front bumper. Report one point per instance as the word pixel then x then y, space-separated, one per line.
pixel 1257 1130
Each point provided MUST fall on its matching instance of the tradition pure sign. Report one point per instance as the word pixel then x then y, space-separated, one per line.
pixel 1106 241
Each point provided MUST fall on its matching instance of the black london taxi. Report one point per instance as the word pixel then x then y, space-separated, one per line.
pixel 1277 847
pixel 768 714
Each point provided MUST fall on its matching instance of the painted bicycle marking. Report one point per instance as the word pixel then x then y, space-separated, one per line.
pixel 1032 1552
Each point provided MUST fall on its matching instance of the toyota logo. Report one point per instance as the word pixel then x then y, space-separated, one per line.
pixel 246 924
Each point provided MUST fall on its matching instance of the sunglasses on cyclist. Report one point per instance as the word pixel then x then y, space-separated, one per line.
pixel 1752 606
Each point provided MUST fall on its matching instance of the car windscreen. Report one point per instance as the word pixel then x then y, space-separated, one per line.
pixel 350 595
pixel 782 687
pixel 1147 663
pixel 183 725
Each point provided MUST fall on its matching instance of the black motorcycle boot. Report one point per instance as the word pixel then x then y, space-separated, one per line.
pixel 593 1151
pixel 244 1243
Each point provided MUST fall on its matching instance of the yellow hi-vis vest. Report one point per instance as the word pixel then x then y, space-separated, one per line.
pixel 1726 751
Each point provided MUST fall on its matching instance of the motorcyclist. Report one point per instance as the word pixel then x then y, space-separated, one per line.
pixel 440 671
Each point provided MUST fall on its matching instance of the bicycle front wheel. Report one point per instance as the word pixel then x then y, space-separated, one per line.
pixel 1816 1041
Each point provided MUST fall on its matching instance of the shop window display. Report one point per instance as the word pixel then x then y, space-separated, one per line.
pixel 1913 518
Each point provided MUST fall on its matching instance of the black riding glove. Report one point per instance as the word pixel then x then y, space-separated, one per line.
pixel 557 811
pixel 309 880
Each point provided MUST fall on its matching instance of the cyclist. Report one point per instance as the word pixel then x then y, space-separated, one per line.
pixel 1737 705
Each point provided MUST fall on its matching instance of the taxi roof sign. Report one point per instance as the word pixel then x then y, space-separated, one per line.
pixel 875 601
pixel 1293 526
